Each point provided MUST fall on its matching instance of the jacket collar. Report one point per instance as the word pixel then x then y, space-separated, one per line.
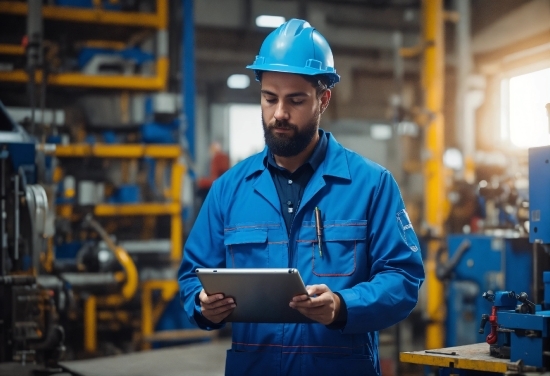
pixel 335 163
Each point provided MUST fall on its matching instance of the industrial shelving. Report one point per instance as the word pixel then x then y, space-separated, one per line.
pixel 157 20
pixel 171 207
pixel 168 204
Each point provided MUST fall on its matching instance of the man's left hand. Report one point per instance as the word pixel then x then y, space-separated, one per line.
pixel 322 305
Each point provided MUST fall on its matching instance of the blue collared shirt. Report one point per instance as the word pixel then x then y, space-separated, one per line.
pixel 291 186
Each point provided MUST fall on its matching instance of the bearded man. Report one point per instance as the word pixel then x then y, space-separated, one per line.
pixel 362 274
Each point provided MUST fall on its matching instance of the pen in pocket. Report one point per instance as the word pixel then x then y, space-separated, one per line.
pixel 319 230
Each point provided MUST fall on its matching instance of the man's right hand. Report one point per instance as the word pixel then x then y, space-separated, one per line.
pixel 215 307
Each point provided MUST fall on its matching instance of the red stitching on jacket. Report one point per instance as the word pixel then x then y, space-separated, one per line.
pixel 251 226
pixel 299 346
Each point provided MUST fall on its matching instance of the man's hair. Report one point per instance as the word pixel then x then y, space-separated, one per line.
pixel 319 82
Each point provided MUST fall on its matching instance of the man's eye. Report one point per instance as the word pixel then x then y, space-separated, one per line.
pixel 297 102
pixel 270 100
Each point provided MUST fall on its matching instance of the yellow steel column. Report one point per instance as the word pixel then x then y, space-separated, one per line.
pixel 434 193
pixel 90 324
pixel 176 225
pixel 147 326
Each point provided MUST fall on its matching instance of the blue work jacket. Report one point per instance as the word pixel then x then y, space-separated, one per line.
pixel 370 256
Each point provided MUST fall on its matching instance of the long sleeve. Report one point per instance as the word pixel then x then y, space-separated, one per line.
pixel 396 265
pixel 204 248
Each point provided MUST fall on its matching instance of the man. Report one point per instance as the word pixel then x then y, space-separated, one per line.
pixel 261 214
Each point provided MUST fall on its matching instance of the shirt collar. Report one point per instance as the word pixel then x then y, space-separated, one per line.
pixel 316 157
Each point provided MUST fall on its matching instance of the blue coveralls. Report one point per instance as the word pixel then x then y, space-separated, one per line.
pixel 370 256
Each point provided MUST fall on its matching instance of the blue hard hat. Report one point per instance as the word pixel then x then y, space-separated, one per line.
pixel 296 47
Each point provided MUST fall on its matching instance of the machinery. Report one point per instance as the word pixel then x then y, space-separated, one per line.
pixel 479 263
pixel 29 313
pixel 50 305
pixel 519 327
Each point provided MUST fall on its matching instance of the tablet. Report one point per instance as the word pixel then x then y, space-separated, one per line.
pixel 261 295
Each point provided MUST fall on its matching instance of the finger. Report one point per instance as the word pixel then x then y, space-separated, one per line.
pixel 209 310
pixel 218 303
pixel 309 303
pixel 207 299
pixel 317 289
pixel 316 314
pixel 300 298
pixel 219 313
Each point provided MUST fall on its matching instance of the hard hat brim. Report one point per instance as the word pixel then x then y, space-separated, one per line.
pixel 331 75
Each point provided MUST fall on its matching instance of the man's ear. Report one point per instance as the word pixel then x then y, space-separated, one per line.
pixel 325 99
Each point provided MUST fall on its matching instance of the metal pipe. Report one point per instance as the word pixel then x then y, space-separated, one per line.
pixel 34 52
pixel 4 235
pixel 465 132
pixel 130 286
pixel 16 214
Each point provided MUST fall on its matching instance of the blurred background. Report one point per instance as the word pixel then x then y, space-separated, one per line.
pixel 117 115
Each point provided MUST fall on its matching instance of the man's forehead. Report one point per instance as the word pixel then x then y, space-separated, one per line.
pixel 285 82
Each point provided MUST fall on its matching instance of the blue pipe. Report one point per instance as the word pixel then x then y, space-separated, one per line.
pixel 188 74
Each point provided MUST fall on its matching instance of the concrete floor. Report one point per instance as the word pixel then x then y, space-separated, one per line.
pixel 203 359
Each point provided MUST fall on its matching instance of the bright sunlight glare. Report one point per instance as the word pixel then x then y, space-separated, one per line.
pixel 529 94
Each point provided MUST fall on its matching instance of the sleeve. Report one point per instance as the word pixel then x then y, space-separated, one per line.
pixel 204 248
pixel 396 269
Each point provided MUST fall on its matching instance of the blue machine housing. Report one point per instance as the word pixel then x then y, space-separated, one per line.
pixel 528 334
pixel 490 263
pixel 539 201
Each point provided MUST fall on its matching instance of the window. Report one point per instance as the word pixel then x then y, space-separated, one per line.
pixel 246 134
pixel 525 120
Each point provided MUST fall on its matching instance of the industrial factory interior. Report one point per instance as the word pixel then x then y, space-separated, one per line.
pixel 274 187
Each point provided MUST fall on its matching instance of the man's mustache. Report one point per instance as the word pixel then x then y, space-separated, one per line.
pixel 282 124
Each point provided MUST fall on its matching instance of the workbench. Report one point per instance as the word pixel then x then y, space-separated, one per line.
pixel 468 357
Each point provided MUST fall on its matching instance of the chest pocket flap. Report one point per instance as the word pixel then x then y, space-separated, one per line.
pixel 245 235
pixel 344 230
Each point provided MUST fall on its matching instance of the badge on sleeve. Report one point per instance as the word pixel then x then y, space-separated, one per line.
pixel 406 229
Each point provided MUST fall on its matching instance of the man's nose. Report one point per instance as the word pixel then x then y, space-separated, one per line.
pixel 281 112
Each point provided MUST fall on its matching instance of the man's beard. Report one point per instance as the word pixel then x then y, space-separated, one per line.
pixel 284 145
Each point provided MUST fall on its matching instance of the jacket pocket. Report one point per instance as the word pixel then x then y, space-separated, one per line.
pixel 247 246
pixel 341 242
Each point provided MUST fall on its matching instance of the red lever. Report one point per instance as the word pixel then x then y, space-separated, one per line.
pixel 492 337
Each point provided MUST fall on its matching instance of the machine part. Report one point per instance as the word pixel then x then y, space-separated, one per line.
pixel 156 246
pixel 131 275
pixel 99 283
pixel 491 263
pixel 500 300
pixel 527 306
pixel 37 200
pixel 444 270
pixel 23 114
pixel 519 368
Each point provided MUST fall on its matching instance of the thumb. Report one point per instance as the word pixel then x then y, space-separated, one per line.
pixel 317 289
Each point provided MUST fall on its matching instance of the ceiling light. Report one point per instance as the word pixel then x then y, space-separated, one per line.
pixel 238 81
pixel 269 21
